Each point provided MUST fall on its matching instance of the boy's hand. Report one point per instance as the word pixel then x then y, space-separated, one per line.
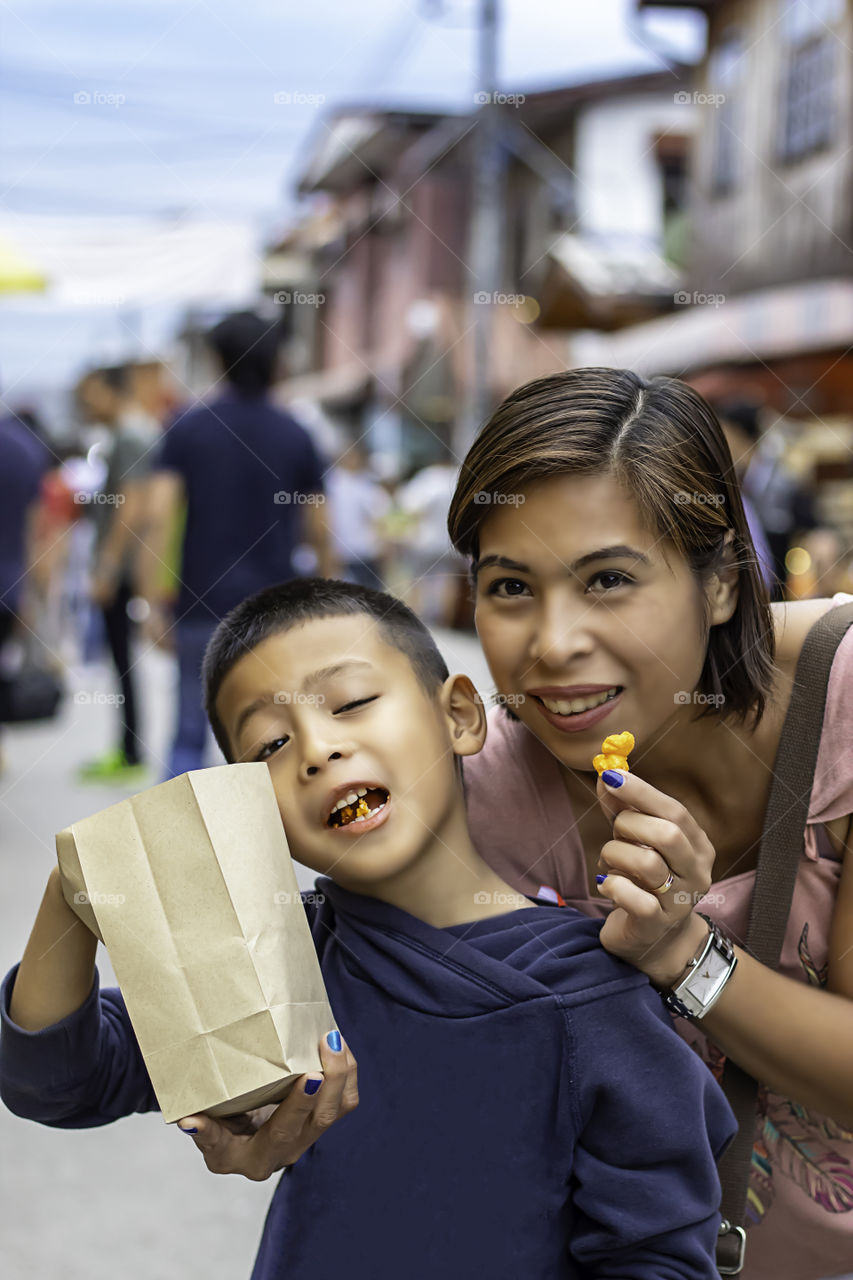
pixel 260 1143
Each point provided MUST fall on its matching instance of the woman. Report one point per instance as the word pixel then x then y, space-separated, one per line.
pixel 617 589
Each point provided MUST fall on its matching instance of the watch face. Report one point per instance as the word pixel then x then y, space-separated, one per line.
pixel 704 981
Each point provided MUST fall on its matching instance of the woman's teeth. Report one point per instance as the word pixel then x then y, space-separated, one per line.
pixel 572 706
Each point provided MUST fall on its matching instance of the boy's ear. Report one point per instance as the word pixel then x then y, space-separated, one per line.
pixel 722 587
pixel 464 714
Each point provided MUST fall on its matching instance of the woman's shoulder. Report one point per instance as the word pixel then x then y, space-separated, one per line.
pixel 793 619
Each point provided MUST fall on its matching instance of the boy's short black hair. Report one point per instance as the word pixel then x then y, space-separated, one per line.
pixel 277 609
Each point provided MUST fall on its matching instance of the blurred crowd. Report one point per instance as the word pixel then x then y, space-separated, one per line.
pixel 143 519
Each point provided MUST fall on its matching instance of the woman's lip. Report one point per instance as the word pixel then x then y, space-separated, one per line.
pixel 583 720
pixel 369 824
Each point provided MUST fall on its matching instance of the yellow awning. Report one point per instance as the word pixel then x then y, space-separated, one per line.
pixel 17 273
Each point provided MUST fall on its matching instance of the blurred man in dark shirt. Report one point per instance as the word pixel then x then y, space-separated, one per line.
pixel 252 484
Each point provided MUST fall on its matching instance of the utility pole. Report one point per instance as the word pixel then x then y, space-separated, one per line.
pixel 485 245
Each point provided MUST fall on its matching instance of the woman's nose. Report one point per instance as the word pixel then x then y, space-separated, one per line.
pixel 562 634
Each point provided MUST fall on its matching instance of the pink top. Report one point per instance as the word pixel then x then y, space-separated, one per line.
pixel 801 1194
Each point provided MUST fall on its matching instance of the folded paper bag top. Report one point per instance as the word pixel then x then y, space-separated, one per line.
pixel 191 888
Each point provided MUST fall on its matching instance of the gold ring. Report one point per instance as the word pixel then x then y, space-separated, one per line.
pixel 666 886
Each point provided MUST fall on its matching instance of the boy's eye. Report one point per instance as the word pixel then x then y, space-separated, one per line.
pixel 350 706
pixel 269 748
pixel 506 588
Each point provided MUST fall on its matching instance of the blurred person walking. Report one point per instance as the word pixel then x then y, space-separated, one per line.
pixel 357 502
pixel 773 497
pixel 118 509
pixel 252 482
pixel 21 472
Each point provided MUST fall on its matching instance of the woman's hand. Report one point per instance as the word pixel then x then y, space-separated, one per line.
pixel 656 843
pixel 261 1142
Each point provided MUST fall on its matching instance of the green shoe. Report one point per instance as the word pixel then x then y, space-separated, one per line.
pixel 113 767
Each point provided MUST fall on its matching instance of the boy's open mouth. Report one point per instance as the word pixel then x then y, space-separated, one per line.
pixel 356 805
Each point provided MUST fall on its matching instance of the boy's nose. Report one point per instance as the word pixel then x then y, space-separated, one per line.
pixel 313 762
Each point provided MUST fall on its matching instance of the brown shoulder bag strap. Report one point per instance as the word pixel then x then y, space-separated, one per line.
pixel 778 861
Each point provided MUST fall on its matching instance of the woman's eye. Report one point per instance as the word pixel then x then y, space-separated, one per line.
pixel 350 706
pixel 269 748
pixel 616 579
pixel 505 588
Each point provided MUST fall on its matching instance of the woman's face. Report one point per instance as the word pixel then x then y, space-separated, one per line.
pixel 576 606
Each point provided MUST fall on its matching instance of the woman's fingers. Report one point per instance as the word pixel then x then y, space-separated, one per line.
pixel 314 1103
pixel 635 793
pixel 645 867
pixel 340 1087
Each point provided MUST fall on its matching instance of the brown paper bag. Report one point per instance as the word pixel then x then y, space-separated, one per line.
pixel 191 888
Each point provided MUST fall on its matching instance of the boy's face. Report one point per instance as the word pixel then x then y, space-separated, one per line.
pixel 337 712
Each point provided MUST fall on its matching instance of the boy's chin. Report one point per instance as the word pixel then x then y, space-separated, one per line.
pixel 367 871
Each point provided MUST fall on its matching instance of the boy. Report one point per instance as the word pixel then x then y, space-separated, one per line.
pixel 526 1110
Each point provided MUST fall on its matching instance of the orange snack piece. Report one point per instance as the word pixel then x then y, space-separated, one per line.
pixel 615 749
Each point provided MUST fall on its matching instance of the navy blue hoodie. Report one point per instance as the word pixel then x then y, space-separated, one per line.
pixel 527 1112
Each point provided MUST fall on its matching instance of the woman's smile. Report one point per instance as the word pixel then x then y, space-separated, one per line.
pixel 577 713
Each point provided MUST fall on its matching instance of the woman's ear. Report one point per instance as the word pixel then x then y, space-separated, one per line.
pixel 723 585
pixel 464 715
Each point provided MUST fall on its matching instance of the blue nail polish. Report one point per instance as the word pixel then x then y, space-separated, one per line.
pixel 311 1086
pixel 188 1130
pixel 600 879
pixel 612 778
pixel 333 1040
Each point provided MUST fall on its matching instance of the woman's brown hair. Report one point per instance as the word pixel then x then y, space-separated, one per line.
pixel 663 443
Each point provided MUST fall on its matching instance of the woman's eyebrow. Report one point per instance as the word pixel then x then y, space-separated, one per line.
pixel 603 553
pixel 499 562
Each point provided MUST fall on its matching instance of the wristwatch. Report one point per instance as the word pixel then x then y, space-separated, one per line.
pixel 707 974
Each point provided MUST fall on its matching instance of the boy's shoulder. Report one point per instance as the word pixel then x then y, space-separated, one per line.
pixel 559 948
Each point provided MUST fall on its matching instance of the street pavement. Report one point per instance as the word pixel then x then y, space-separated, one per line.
pixel 133 1198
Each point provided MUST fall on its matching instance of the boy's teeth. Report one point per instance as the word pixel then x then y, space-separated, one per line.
pixel 572 706
pixel 352 797
pixel 362 791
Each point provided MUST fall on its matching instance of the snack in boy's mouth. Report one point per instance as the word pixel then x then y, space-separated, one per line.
pixel 615 749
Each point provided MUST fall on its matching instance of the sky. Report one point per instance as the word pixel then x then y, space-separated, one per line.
pixel 162 110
